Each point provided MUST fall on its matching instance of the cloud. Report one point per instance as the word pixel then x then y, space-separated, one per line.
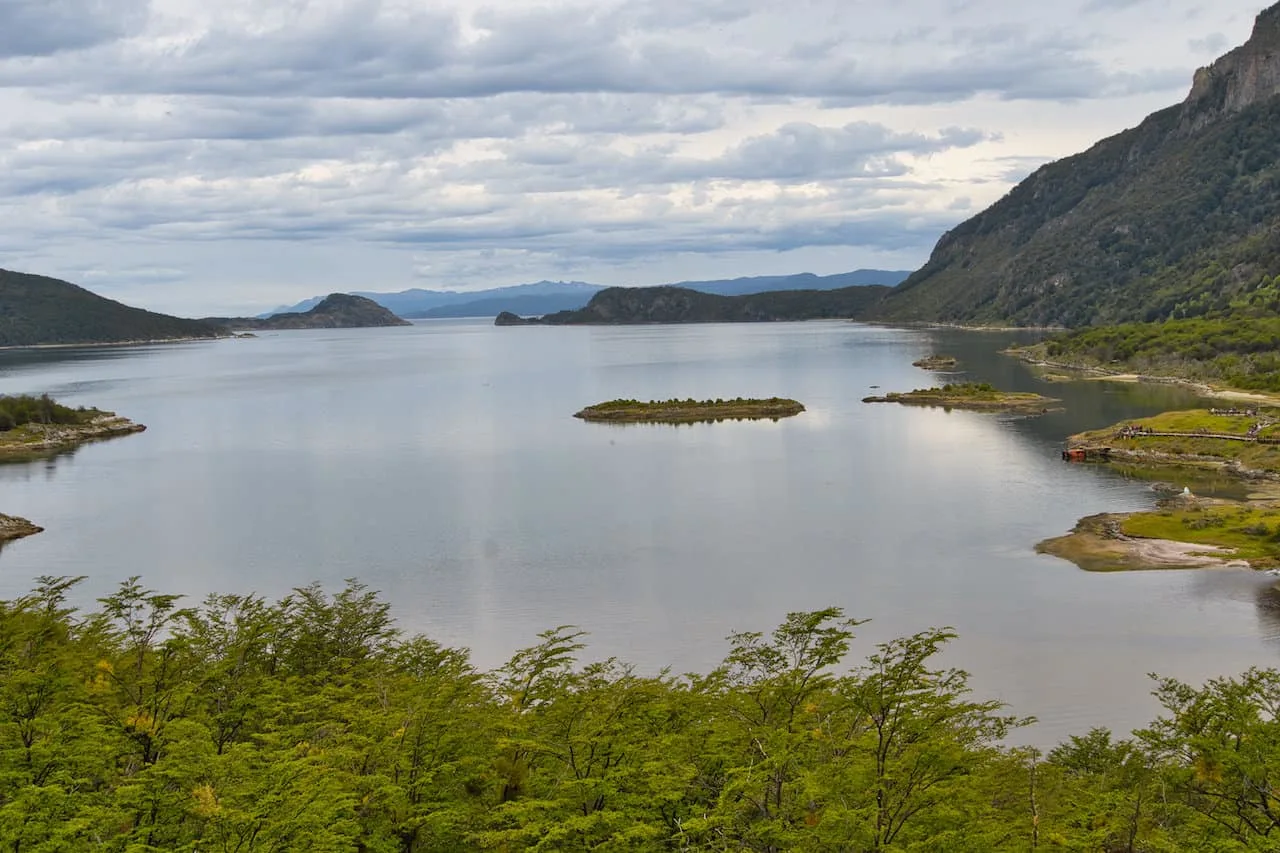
pixel 39 28
pixel 370 49
pixel 193 149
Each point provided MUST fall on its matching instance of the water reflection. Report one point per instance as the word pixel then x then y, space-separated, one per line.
pixel 1267 606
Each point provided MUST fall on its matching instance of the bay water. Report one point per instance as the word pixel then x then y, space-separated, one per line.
pixel 440 465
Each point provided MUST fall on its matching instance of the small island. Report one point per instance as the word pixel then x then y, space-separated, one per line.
pixel 689 411
pixel 936 362
pixel 973 396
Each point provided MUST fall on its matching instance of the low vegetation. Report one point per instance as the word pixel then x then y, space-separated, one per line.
pixel 23 409
pixel 978 396
pixel 1239 351
pixel 311 723
pixel 32 427
pixel 1247 532
pixel 690 410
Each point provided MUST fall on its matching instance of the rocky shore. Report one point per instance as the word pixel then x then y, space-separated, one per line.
pixel 12 527
pixel 34 439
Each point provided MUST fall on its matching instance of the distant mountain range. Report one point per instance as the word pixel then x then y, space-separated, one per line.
pixel 547 297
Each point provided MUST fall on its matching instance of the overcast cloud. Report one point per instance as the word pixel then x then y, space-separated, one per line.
pixel 200 157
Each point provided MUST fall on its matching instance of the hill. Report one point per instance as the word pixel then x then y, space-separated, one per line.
pixel 669 304
pixel 335 311
pixel 1177 217
pixel 418 302
pixel 547 297
pixel 37 310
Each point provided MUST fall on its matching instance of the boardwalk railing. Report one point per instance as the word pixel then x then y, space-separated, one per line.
pixel 1220 435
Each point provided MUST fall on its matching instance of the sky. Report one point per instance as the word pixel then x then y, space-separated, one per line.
pixel 223 157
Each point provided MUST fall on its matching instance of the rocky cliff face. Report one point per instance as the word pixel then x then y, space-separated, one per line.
pixel 1245 76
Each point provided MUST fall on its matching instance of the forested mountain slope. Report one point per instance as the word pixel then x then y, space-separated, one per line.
pixel 36 310
pixel 1177 217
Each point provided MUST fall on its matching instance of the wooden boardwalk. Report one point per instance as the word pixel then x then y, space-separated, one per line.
pixel 1253 439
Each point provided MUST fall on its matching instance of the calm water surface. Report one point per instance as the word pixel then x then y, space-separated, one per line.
pixel 440 464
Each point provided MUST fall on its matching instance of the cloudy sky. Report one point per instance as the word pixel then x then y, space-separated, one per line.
pixel 211 157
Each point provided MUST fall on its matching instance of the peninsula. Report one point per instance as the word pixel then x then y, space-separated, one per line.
pixel 1244 441
pixel 31 427
pixel 1185 533
pixel 689 411
pixel 973 396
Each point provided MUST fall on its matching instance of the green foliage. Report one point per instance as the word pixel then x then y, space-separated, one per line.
pixel 1237 350
pixel 310 723
pixel 20 410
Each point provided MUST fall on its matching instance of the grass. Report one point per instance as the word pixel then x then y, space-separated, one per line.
pixel 690 410
pixel 1250 532
pixel 1262 457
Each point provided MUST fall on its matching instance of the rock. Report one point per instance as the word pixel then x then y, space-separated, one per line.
pixel 12 527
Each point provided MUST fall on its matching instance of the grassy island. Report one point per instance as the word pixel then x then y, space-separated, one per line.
pixel 1244 439
pixel 936 362
pixel 689 411
pixel 975 396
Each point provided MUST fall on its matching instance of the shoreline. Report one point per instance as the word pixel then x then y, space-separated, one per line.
pixel 15 527
pixel 1097 544
pixel 37 440
pixel 1102 374
pixel 100 344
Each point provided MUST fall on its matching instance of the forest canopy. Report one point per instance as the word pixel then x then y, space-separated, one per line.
pixel 312 723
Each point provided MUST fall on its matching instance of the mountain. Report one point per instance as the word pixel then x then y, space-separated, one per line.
pixel 670 304
pixel 1177 217
pixel 547 297
pixel 36 310
pixel 520 303
pixel 335 311
pixel 416 302
pixel 803 281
